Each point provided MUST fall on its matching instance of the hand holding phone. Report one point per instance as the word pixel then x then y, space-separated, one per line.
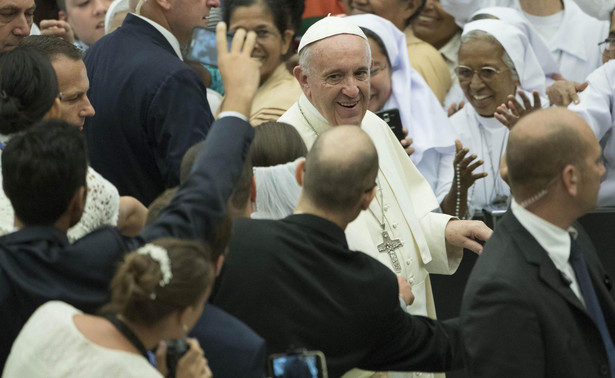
pixel 393 119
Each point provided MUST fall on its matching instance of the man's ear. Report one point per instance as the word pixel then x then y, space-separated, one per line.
pixel 303 81
pixel 62 16
pixel 367 198
pixel 299 172
pixel 164 4
pixel 570 178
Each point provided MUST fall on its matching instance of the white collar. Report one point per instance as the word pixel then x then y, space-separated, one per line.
pixel 553 239
pixel 166 34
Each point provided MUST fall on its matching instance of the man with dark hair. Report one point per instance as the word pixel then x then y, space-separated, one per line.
pixel 67 61
pixel 296 283
pixel 16 21
pixel 151 106
pixel 538 302
pixel 26 168
pixel 37 264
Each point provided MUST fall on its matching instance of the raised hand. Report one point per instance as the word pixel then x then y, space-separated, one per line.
pixel 508 114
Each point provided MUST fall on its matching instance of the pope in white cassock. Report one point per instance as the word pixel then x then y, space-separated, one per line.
pixel 400 228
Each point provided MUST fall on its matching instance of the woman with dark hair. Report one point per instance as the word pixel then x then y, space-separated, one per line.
pixel 274 22
pixel 158 293
pixel 29 93
pixel 275 152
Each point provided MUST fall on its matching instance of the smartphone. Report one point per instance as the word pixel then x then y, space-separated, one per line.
pixel 300 363
pixel 203 48
pixel 393 119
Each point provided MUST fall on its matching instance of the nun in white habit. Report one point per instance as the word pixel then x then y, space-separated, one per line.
pixel 421 114
pixel 515 18
pixel 495 60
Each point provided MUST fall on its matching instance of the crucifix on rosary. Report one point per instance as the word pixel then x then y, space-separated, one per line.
pixel 389 246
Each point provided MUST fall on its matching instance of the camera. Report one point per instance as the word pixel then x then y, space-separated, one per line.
pixel 298 363
pixel 176 348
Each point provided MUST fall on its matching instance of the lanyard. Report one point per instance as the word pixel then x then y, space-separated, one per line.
pixel 124 330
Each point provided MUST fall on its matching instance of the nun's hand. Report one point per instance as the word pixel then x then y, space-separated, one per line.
pixel 508 114
pixel 563 92
pixel 407 143
pixel 454 108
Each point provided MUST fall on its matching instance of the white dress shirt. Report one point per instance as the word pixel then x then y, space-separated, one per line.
pixel 166 34
pixel 554 240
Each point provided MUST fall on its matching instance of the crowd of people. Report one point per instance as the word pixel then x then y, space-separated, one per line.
pixel 163 216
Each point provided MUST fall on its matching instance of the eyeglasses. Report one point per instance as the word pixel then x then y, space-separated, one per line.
pixel 606 46
pixel 486 74
pixel 377 69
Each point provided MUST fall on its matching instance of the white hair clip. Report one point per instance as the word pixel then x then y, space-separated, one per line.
pixel 161 256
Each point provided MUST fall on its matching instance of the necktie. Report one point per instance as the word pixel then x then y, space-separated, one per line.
pixel 591 301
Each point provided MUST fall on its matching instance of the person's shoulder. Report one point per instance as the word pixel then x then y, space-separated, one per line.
pixel 215 321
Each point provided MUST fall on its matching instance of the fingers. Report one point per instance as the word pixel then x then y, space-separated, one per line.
pixel 557 76
pixel 458 146
pixel 581 87
pixel 161 358
pixel 473 166
pixel 537 100
pixel 404 131
pixel 452 109
pixel 481 231
pixel 526 101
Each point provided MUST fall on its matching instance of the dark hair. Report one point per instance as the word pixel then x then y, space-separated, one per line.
pixel 218 240
pixel 162 201
pixel 136 290
pixel 287 14
pixel 28 89
pixel 276 143
pixel 239 198
pixel 376 38
pixel 51 46
pixel 42 169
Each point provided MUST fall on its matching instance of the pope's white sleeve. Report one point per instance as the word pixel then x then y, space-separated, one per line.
pixel 434 226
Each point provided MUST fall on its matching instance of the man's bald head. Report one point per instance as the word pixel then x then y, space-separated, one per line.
pixel 541 145
pixel 341 166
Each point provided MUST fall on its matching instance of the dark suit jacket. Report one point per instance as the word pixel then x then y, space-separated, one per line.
pixel 296 283
pixel 231 347
pixel 521 319
pixel 37 264
pixel 150 108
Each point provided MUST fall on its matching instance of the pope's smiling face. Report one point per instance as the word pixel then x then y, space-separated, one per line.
pixel 337 81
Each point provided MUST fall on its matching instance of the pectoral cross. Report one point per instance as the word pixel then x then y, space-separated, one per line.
pixel 389 246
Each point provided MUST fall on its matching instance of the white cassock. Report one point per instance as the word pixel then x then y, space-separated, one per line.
pixel 575 44
pixel 408 204
pixel 487 138
pixel 597 107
